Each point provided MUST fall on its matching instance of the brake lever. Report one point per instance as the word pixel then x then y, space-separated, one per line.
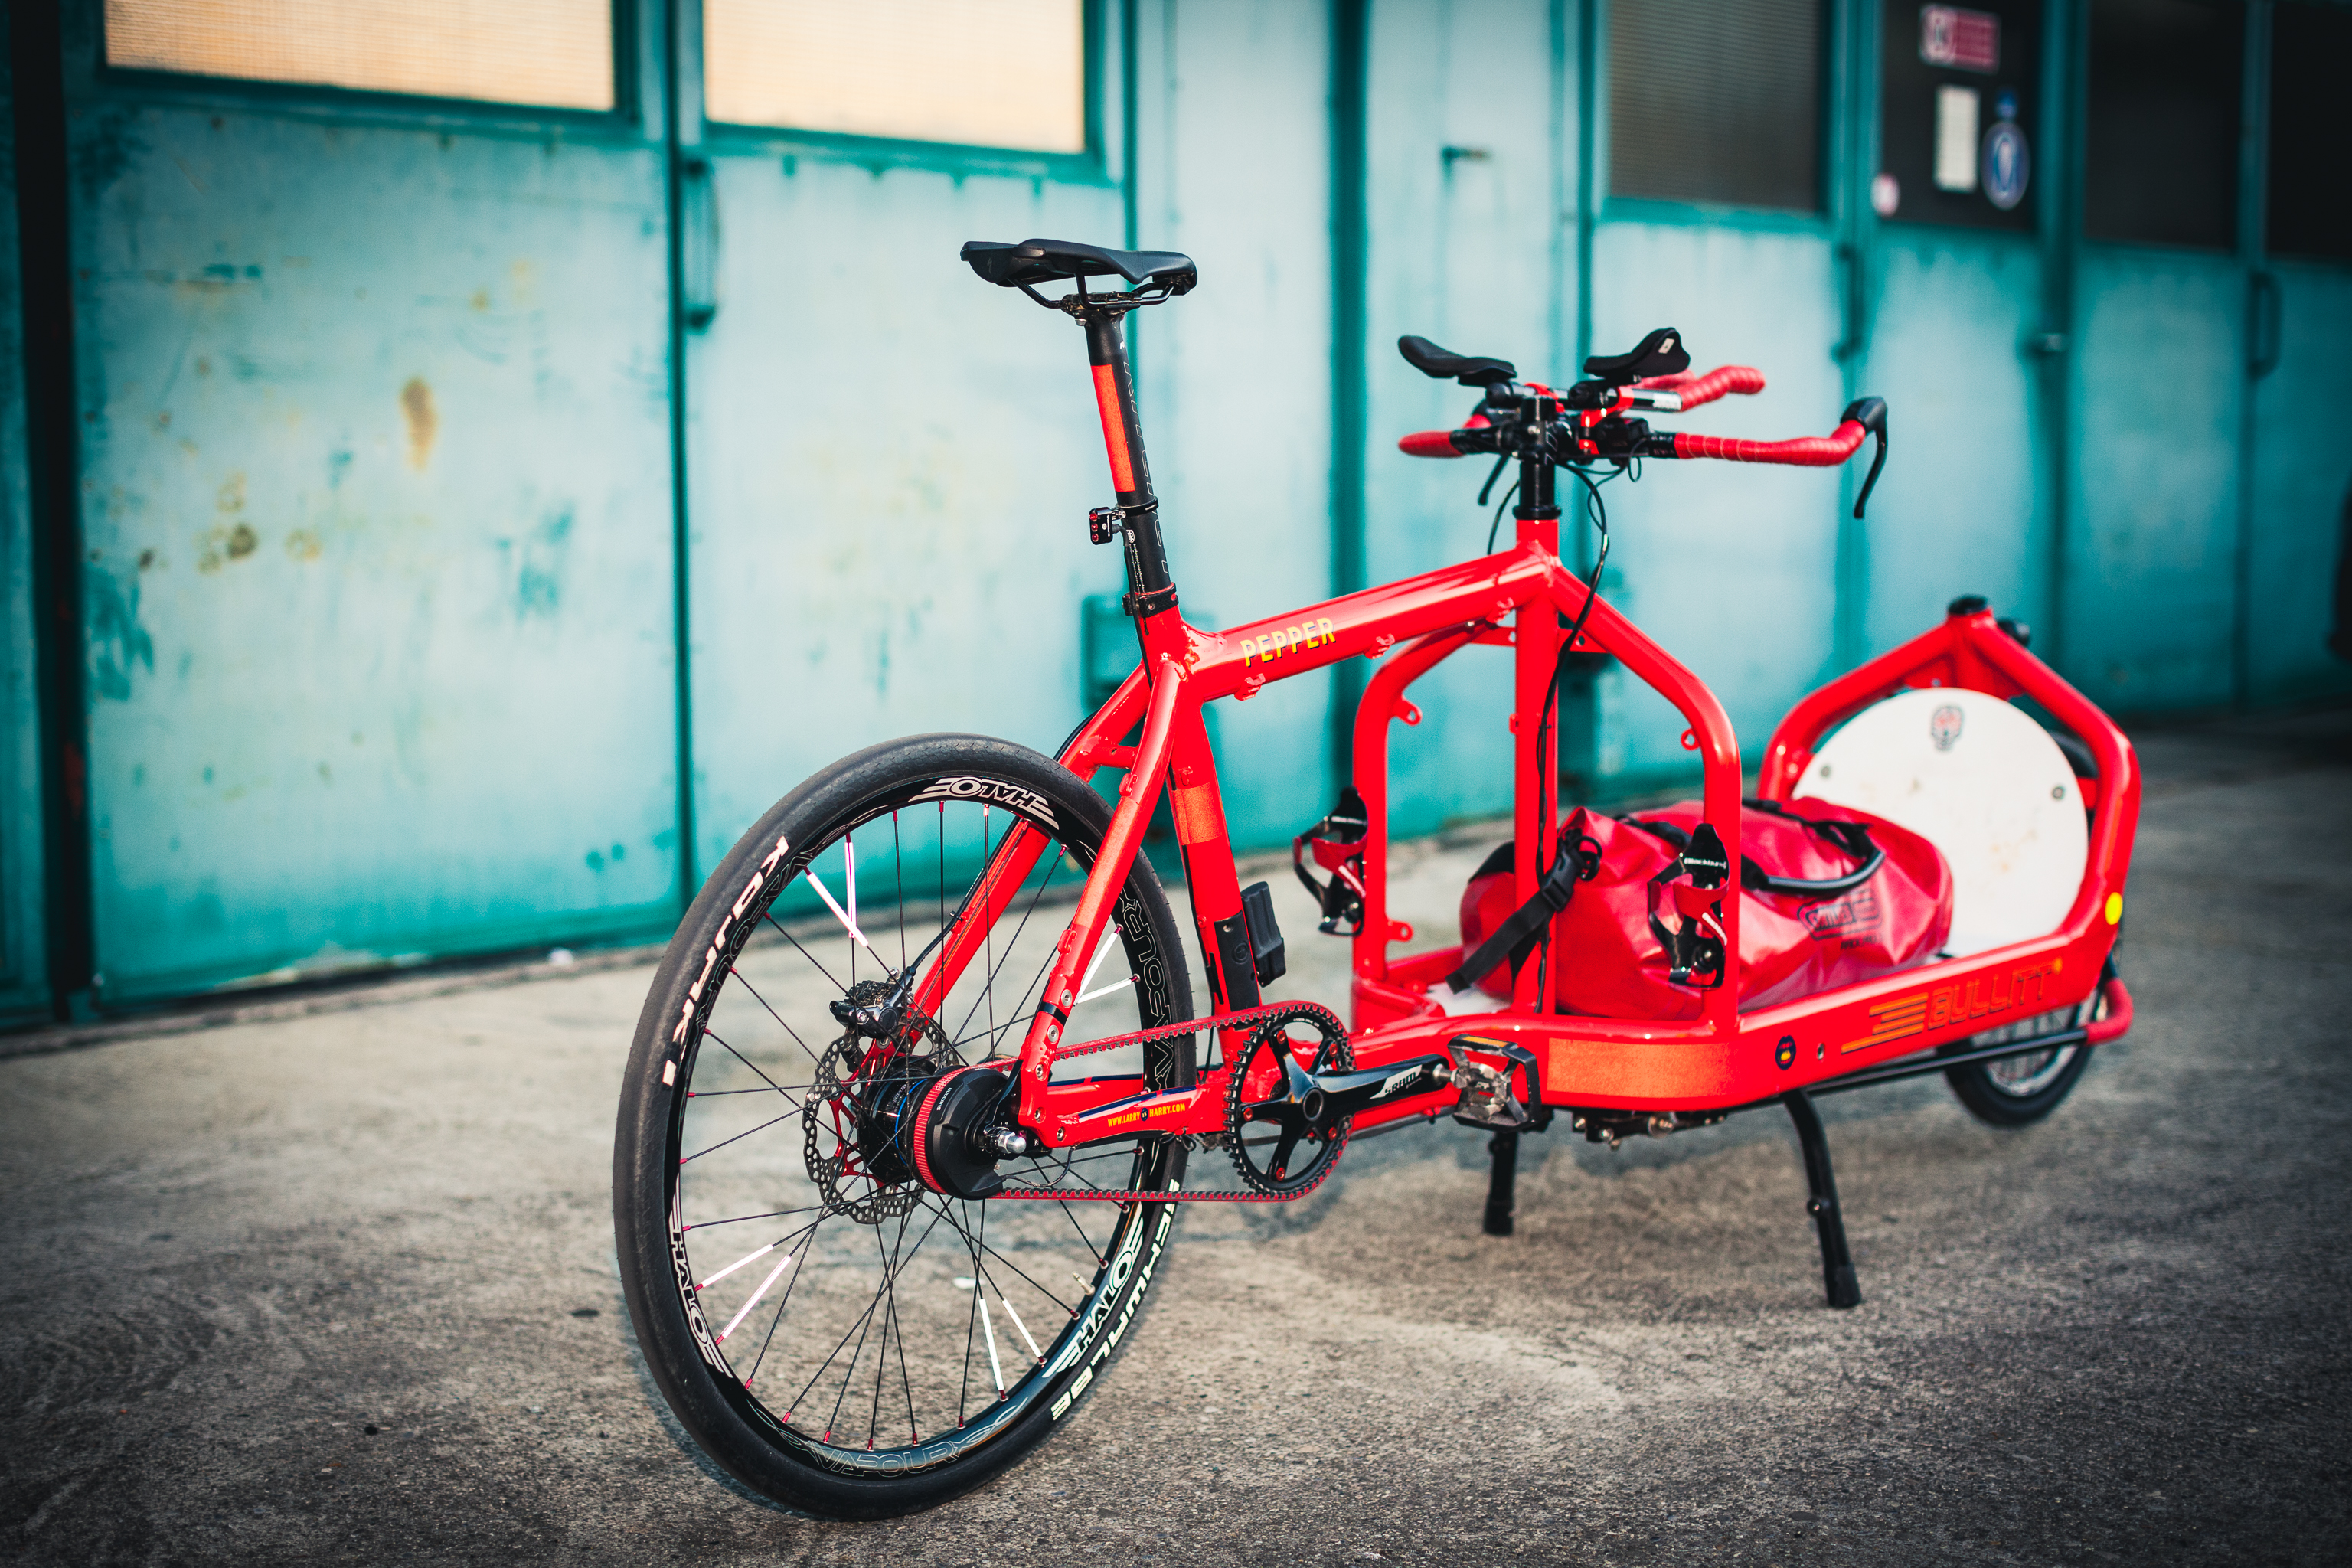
pixel 1870 413
pixel 1495 473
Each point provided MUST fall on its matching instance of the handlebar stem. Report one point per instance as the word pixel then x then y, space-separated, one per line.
pixel 1535 418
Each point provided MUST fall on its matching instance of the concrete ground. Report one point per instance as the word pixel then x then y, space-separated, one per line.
pixel 339 1286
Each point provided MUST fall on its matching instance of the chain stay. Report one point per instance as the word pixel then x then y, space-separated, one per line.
pixel 1201 1026
pixel 1271 1012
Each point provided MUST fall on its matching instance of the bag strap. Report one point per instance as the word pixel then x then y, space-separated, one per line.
pixel 1849 838
pixel 1578 861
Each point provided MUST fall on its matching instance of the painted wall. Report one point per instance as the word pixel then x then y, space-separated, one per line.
pixel 24 984
pixel 450 589
pixel 375 508
pixel 1470 159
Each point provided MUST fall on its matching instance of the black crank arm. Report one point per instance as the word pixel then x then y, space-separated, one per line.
pixel 1345 1093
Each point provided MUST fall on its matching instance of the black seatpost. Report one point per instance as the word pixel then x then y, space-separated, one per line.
pixel 1150 587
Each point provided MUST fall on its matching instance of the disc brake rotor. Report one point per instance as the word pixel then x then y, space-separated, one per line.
pixel 862 1091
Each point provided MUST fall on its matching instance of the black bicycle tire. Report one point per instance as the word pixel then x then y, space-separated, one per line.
pixel 743 1441
pixel 1988 1102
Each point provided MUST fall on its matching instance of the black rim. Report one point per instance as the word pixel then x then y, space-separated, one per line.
pixel 855 1317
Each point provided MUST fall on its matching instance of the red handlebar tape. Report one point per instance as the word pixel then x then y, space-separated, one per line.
pixel 1805 451
pixel 1696 389
pixel 1438 443
pixel 1428 444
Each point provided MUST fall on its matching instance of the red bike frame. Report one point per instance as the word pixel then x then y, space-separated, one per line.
pixel 1724 1059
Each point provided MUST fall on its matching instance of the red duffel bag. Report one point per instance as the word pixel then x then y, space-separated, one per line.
pixel 1827 896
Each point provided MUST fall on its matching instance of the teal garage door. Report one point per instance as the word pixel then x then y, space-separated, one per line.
pixel 23 952
pixel 1721 217
pixel 2299 516
pixel 2150 617
pixel 1469 169
pixel 373 385
pixel 1959 337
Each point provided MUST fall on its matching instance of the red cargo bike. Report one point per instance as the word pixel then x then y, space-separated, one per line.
pixel 895 1166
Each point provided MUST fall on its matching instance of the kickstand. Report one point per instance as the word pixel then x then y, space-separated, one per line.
pixel 1500 1201
pixel 1837 1263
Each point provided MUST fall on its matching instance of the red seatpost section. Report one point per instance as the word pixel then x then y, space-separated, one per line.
pixel 1114 424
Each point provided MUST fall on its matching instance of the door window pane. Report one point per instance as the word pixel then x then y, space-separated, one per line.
pixel 1717 100
pixel 2163 156
pixel 2311 133
pixel 987 73
pixel 1959 128
pixel 554 53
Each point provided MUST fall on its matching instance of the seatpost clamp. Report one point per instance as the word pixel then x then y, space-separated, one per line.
pixel 1143 606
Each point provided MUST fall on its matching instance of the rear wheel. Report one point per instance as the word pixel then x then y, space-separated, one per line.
pixel 832 1329
pixel 2015 1091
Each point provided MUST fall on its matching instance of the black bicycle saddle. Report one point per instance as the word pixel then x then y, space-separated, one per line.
pixel 1035 261
pixel 1660 353
pixel 1437 364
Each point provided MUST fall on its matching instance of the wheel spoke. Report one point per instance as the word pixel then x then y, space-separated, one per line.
pixel 804 953
pixel 991 963
pixel 722 1143
pixel 738 1219
pixel 848 919
pixel 745 1310
pixel 977 1246
pixel 736 973
pixel 898 887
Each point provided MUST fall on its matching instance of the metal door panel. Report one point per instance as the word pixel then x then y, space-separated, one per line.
pixel 1234 167
pixel 1732 567
pixel 2302 486
pixel 1467 249
pixel 377 513
pixel 24 983
pixel 2150 570
pixel 1959 507
pixel 890 468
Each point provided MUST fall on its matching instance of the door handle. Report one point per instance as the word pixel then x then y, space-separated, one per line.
pixel 2265 323
pixel 1849 255
pixel 698 244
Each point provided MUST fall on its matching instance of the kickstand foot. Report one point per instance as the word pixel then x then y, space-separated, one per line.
pixel 1837 1263
pixel 1501 1185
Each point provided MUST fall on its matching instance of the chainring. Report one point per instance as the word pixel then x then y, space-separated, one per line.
pixel 851 1094
pixel 1276 1179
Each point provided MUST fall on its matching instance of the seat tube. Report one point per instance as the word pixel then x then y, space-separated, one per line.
pixel 1535 750
pixel 1150 589
pixel 1198 807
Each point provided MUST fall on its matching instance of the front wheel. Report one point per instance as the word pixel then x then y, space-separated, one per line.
pixel 830 1327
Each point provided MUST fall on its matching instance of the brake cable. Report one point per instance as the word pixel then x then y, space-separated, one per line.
pixel 1596 512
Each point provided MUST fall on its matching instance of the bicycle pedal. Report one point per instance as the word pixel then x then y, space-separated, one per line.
pixel 1487 1099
